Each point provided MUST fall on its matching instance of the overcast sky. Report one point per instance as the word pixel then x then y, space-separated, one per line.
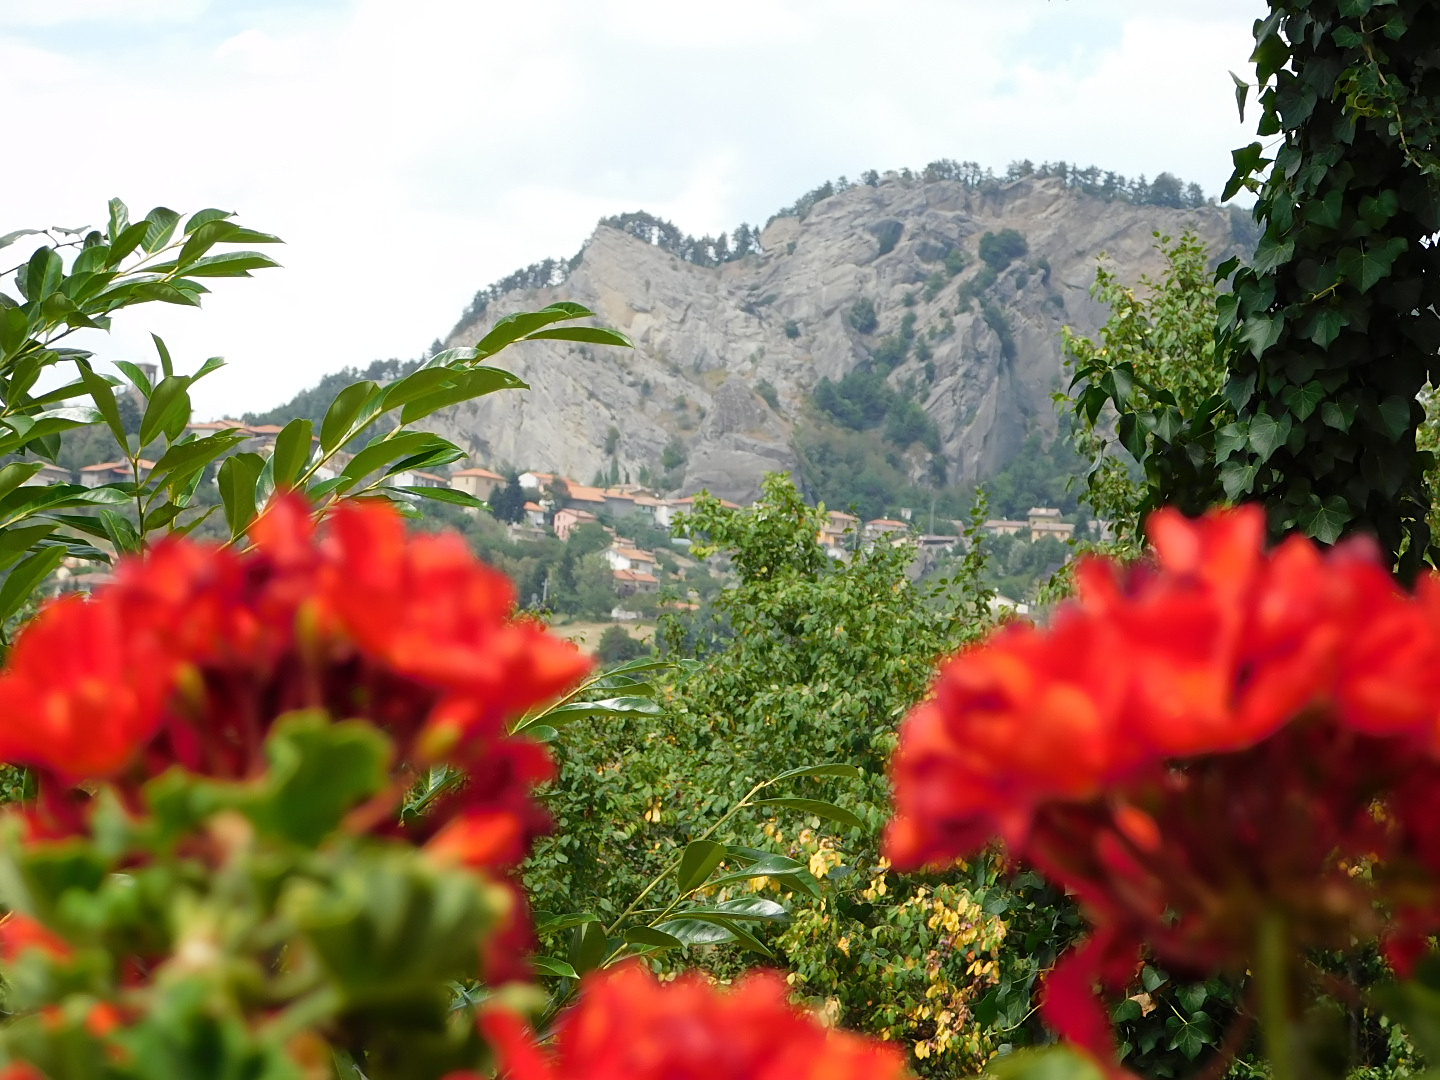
pixel 411 152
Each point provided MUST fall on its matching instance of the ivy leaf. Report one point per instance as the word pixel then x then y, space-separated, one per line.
pixel 1326 520
pixel 1366 267
pixel 1242 90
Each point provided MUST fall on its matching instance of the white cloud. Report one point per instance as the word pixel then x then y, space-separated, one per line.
pixel 411 154
pixel 60 12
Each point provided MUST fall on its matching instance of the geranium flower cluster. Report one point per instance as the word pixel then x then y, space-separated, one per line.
pixel 194 652
pixel 1223 736
pixel 629 1026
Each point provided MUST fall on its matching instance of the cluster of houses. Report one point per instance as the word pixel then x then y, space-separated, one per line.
pixel 557 505
pixel 1041 521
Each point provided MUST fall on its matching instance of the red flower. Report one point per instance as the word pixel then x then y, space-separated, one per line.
pixel 195 651
pixel 628 1026
pixel 20 933
pixel 1191 744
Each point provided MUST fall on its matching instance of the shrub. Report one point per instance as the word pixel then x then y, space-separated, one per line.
pixel 862 315
pixel 792 329
pixel 766 389
pixel 999 250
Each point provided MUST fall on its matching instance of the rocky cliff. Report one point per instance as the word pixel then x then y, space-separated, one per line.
pixel 981 355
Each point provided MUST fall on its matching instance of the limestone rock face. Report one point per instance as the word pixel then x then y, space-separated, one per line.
pixel 707 337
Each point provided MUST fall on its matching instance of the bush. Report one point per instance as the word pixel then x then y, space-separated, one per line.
pixel 999 250
pixel 859 400
pixel 617 646
pixel 862 315
pixel 766 389
pixel 888 233
pixel 792 329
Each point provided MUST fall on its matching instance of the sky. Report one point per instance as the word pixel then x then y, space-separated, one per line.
pixel 411 153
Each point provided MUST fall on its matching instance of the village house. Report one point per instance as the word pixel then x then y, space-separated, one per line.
pixel 874 530
pixel 537 481
pixel 112 472
pixel 1003 527
pixel 619 503
pixel 535 514
pixel 567 519
pixel 635 581
pixel 586 498
pixel 837 533
pixel 1045 521
pixel 481 483
pixel 624 557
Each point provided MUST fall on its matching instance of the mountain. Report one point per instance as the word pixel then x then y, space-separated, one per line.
pixel 920 314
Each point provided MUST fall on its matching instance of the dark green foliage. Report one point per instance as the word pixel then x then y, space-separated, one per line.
pixel 862 315
pixel 859 400
pixel 508 503
pixel 1332 331
pixel 1041 474
pixel 617 646
pixel 890 353
pixel 792 329
pixel 907 423
pixel 999 250
pixel 674 454
pixel 766 389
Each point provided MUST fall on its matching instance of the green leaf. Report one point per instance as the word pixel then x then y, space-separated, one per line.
pixel 17 542
pixel 550 965
pixel 184 458
pixel 1152 978
pixel 463 386
pixel 335 429
pixel 121 533
pixel 818 808
pixel 1242 90
pixel 831 769
pixel 137 377
pixel 523 323
pixel 1365 267
pixel 238 476
pixel 585 710
pixel 162 222
pixel 16 473
pixel 167 411
pixel 384 449
pixel 593 335
pixel 698 931
pixel 10 237
pixel 1304 400
pixel 27 576
pixel 28 501
pixel 454 496
pixel 292 452
pixel 99 389
pixel 555 923
pixel 43 274
pixel 230 264
pixel 202 217
pixel 1052 1063
pixel 1266 434
pixel 119 219
pixel 1326 520
pixel 651 938
pixel 700 858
